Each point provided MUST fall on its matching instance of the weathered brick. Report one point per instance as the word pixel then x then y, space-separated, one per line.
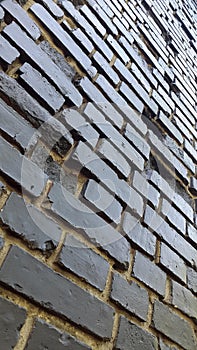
pixel 102 65
pixel 84 262
pixel 99 10
pixel 82 39
pixel 55 10
pixel 131 336
pixel 193 186
pixel 169 126
pixel 12 318
pixel 20 169
pixel 192 279
pixel 163 346
pixel 139 75
pixel 130 296
pixel 94 227
pixel 68 300
pixel 38 230
pixel 161 80
pixel 173 326
pixel 45 336
pixel 137 140
pixel 173 216
pixel 20 15
pixel 1 242
pixel 146 190
pixel 190 149
pixel 184 300
pixel 8 53
pixel 93 19
pixel 118 49
pixel 131 97
pixel 138 234
pixel 42 60
pixel 160 101
pixel 150 274
pixel 103 200
pixel 172 262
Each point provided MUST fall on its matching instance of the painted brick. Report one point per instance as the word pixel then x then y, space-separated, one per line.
pixel 38 230
pixel 84 262
pixel 130 296
pixel 133 336
pixel 173 326
pixel 150 274
pixel 68 300
pixel 12 318
pixel 179 297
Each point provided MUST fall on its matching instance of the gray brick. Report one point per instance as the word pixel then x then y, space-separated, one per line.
pixel 173 216
pixel 1 242
pixel 192 279
pixel 103 200
pixel 184 300
pixel 131 97
pixel 12 318
pixel 172 262
pixel 160 101
pixel 193 186
pixel 2 14
pixel 131 336
pixel 190 149
pixel 83 41
pixel 21 170
pixel 173 326
pixel 146 190
pixel 84 262
pixel 42 60
pixel 95 228
pixel 99 10
pixel 163 346
pixel 8 53
pixel 118 49
pixel 130 296
pixel 150 274
pixel 53 8
pixel 20 15
pixel 37 229
pixel 45 336
pixel 139 75
pixel 105 68
pixel 161 80
pixel 67 301
pixel 137 140
pixel 93 19
pixel 169 126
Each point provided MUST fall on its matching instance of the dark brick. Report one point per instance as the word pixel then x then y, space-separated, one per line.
pixel 118 49
pixel 193 186
pixel 105 68
pixel 95 228
pixel 173 326
pixel 20 169
pixel 172 262
pixel 137 140
pixel 84 262
pixel 107 176
pixel 130 296
pixel 138 234
pixel 12 318
pixel 93 19
pixel 173 216
pixel 131 97
pixel 99 10
pixel 45 336
pixel 150 274
pixel 169 126
pixel 20 15
pixel 16 127
pixel 103 200
pixel 53 8
pixel 8 53
pixel 111 154
pixel 170 236
pixel 77 124
pixel 191 279
pixel 82 39
pixel 37 229
pixel 146 190
pixel 131 336
pixel 68 300
pixel 184 300
pixel 41 87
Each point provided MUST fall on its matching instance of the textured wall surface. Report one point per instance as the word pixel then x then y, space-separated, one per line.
pixel 98 185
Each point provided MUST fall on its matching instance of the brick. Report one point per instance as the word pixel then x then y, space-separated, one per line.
pixel 42 60
pixel 41 87
pixel 130 296
pixel 162 81
pixel 46 336
pixel 99 10
pixel 93 19
pixel 179 297
pixel 79 127
pixel 160 101
pixel 103 200
pixel 82 40
pixel 173 216
pixel 21 17
pixel 163 346
pixel 105 8
pixel 112 155
pixel 12 318
pixel 37 230
pixel 173 326
pixel 169 126
pixel 84 262
pixel 137 140
pixel 191 279
pixel 118 49
pixel 93 163
pixel 131 336
pixel 8 53
pixel 150 274
pixel 53 8
pixel 190 149
pixel 139 75
pixel 188 122
pixel 102 65
pixel 131 97
pixel 21 170
pixel 16 127
pixel 146 190
pixel 182 127
pixel 192 232
pixel 172 262
pixel 67 301
pixel 170 236
pixel 94 227
pixel 2 14
pixel 193 186
pixel 1 242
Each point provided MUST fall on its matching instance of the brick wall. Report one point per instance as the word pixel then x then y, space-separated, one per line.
pixel 98 185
